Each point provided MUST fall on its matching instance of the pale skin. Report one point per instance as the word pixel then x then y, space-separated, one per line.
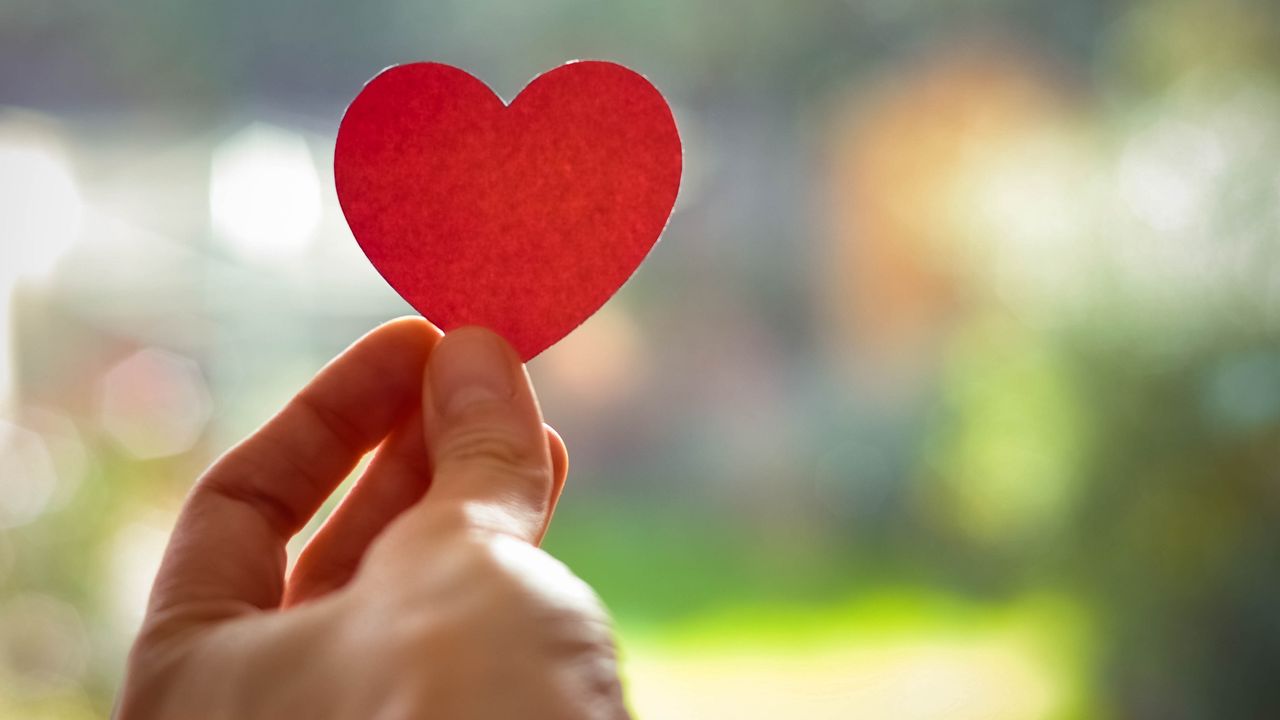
pixel 424 595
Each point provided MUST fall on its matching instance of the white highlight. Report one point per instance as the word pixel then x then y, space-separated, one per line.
pixel 40 217
pixel 28 477
pixel 264 193
pixel 1168 173
pixel 135 558
pixel 40 207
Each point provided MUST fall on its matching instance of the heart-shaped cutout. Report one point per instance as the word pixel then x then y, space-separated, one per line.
pixel 524 218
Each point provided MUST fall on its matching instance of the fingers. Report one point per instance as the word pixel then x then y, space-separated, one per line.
pixel 492 464
pixel 396 478
pixel 228 548
pixel 394 481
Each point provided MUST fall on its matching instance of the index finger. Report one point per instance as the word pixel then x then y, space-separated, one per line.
pixel 228 547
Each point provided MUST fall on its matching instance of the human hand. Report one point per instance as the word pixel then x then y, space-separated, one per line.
pixel 422 596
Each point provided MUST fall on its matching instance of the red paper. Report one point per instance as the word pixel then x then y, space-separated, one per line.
pixel 523 218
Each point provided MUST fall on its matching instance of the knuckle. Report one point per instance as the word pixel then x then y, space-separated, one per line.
pixel 465 525
pixel 498 575
pixel 537 581
pixel 493 445
pixel 529 482
pixel 450 519
pixel 494 597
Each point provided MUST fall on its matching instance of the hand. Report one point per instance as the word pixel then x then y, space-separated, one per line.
pixel 422 596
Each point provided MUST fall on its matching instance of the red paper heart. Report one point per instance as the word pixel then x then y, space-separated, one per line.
pixel 523 218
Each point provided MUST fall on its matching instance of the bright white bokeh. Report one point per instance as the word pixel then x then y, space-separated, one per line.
pixel 1028 203
pixel 1168 173
pixel 28 476
pixel 40 205
pixel 41 212
pixel 154 403
pixel 135 558
pixel 264 193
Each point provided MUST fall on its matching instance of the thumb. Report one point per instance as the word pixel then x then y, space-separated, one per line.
pixel 485 436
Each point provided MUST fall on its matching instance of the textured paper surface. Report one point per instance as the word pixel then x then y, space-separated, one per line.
pixel 523 218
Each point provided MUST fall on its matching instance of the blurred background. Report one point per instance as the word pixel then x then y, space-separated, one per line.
pixel 952 390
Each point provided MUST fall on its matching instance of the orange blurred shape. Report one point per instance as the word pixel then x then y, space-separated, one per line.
pixel 894 276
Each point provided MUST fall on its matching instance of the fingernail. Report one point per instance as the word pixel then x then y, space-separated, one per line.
pixel 469 367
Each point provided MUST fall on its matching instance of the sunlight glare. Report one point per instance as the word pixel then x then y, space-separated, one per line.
pixel 264 193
